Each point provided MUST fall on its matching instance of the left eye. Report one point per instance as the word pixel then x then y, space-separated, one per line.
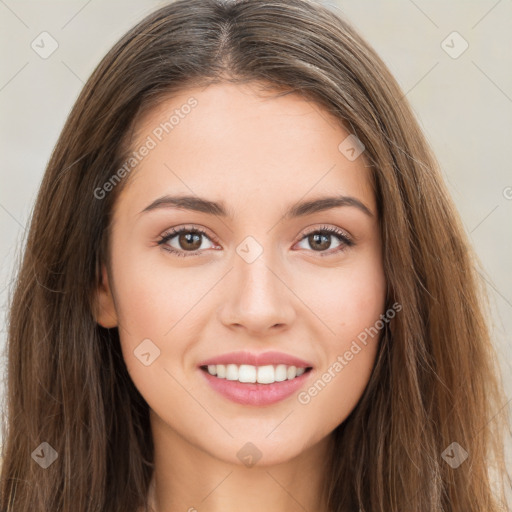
pixel 320 240
pixel 188 240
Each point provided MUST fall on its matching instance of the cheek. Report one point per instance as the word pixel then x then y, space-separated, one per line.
pixel 351 304
pixel 151 337
pixel 347 300
pixel 149 308
pixel 339 383
pixel 337 388
pixel 152 299
pixel 360 305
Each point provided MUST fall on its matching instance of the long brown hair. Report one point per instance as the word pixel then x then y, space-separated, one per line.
pixel 435 381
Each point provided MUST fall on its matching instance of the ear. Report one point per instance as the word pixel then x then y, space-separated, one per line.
pixel 105 311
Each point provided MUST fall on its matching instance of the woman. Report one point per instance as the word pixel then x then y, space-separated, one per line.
pixel 245 286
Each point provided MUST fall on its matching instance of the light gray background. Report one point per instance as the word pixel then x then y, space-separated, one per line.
pixel 464 106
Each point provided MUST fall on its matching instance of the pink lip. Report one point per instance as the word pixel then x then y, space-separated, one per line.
pixel 255 394
pixel 262 359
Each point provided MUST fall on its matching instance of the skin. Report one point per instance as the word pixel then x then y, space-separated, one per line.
pixel 258 154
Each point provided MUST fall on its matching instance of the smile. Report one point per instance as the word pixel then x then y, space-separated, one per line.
pixel 247 373
pixel 232 386
pixel 256 379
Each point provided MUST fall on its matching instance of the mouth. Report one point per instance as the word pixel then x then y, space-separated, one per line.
pixel 255 386
pixel 251 374
pixel 256 379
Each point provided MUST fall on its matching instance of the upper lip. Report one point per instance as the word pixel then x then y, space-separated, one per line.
pixel 262 359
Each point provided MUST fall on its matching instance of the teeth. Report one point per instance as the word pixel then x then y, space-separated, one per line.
pixel 261 374
pixel 247 373
pixel 265 374
pixel 232 372
pixel 281 373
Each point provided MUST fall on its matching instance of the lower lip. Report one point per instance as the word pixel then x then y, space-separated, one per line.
pixel 255 394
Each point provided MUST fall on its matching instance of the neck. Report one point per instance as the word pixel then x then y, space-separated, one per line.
pixel 186 478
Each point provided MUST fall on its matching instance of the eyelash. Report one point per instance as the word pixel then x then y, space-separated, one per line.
pixel 345 240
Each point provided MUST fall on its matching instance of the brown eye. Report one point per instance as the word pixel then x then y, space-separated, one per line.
pixel 189 241
pixel 319 242
pixel 183 241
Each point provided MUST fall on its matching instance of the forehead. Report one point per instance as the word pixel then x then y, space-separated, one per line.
pixel 237 142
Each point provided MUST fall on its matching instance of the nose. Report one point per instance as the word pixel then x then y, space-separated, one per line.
pixel 257 297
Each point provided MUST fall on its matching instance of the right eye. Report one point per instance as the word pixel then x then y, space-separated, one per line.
pixel 188 241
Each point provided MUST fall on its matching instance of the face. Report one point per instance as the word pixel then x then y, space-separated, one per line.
pixel 250 277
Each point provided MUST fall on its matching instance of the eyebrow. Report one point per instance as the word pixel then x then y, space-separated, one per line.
pixel 300 209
